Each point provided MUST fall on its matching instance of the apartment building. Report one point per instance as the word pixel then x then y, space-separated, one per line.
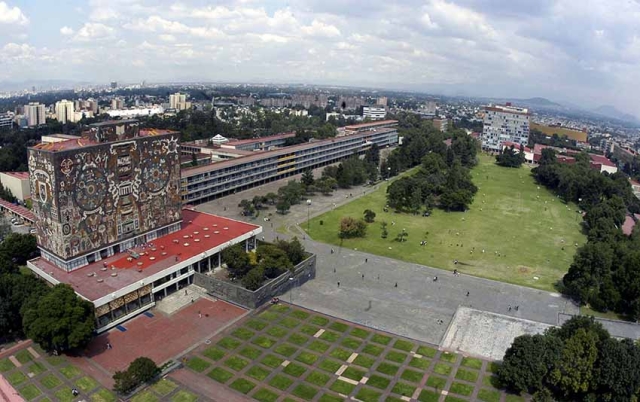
pixel 374 112
pixel 34 113
pixel 504 123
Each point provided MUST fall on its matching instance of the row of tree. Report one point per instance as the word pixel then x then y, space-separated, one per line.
pixel 269 261
pixel 509 157
pixel 579 361
pixel 605 272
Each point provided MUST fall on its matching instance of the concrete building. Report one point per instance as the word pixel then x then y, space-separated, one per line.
pixel 382 101
pixel 34 113
pixel 259 144
pixel 117 104
pixel 114 84
pixel 204 183
pixel 504 123
pixel 65 111
pixel 178 101
pixel 374 112
pixel 110 222
pixel 6 120
pixel 49 139
pixel 17 183
pixel 136 112
pixel 441 124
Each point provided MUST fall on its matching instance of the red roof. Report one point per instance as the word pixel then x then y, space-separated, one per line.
pixel 18 175
pixel 188 242
pixel 20 210
pixel 84 142
pixel 601 160
pixel 627 226
pixel 634 182
pixel 515 145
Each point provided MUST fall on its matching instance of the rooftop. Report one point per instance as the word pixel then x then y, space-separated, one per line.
pixel 20 210
pixel 81 142
pixel 200 232
pixel 601 160
pixel 18 175
pixel 261 139
pixel 374 124
pixel 507 109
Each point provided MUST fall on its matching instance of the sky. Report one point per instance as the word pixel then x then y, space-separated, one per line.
pixel 586 52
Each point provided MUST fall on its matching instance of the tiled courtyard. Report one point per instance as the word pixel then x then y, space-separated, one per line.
pixel 285 353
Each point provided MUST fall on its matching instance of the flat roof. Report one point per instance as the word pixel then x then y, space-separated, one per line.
pixel 18 175
pixel 114 122
pixel 158 255
pixel 602 160
pixel 81 142
pixel 370 125
pixel 508 109
pixel 187 172
pixel 261 139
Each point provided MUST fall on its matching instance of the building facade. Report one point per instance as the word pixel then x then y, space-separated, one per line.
pixel 441 124
pixel 17 183
pixel 178 101
pixel 6 120
pixel 65 111
pixel 374 112
pixel 504 124
pixel 104 193
pixel 34 113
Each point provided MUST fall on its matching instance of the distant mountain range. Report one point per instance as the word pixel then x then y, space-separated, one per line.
pixel 611 111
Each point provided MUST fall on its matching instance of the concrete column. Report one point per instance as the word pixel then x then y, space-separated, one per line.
pixel 219 259
pixel 246 245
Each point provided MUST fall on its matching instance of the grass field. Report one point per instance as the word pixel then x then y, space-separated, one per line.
pixel 523 229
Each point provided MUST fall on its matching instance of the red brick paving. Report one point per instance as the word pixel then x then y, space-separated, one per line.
pixel 161 337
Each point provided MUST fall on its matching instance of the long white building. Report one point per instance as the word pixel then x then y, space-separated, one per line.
pixel 504 123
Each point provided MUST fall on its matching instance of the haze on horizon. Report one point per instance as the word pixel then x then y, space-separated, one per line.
pixel 576 51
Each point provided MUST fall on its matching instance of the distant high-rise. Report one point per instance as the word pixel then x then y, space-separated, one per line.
pixel 114 84
pixel 504 123
pixel 382 101
pixel 178 101
pixel 65 111
pixel 117 103
pixel 374 112
pixel 92 105
pixel 34 112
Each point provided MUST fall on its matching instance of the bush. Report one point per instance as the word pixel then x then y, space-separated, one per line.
pixel 140 370
pixel 253 280
pixel 350 228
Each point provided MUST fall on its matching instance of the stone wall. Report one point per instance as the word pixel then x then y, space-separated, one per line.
pixel 234 293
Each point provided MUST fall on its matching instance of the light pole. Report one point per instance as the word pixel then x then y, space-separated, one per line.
pixel 291 290
pixel 388 172
pixel 308 221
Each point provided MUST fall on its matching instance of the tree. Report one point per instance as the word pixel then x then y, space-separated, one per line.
pixel 60 320
pixel 253 279
pixel 237 260
pixel 125 382
pixel 350 228
pixel 574 372
pixel 510 158
pixel 369 216
pixel 271 198
pixel 293 248
pixel 307 177
pixel 247 206
pixel 326 185
pixel 283 206
pixel 618 377
pixel 384 232
pixel 372 155
pixel 19 248
pixel 272 260
pixel 143 369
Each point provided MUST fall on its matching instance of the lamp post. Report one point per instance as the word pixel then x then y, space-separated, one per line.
pixel 308 221
pixel 291 290
pixel 388 172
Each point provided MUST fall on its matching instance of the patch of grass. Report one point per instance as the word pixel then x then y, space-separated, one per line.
pixel 351 343
pixel 442 369
pixel 309 329
pixel 396 356
pixel 164 387
pixel 467 375
pixel 372 350
pixel 251 353
pixel 329 336
pixel 493 367
pixel 379 382
pixel 213 353
pixel 364 361
pixel 56 360
pixel 305 392
pixel 280 382
pixel 420 362
pixel 342 387
pixel 510 194
pixel 16 378
pixel 450 398
pixel 514 398
pixel 393 399
pixel 289 322
pixel 263 342
pixel 272 361
pixel 298 339
pixel 448 357
pixel 264 395
pixel 317 378
pixel 404 389
pixel 184 396
pixel 488 395
pixel 70 371
pixel 229 343
pixel 307 358
pixel 387 368
pixel 461 389
pixel 426 351
pixel 280 308
pixel 299 314
pixel 258 373
pixel 243 386
pixel 37 368
pixel 359 333
pixel 269 316
pixel 198 364
pixel 30 392
pixel 353 373
pixel 330 398
pixel 491 381
pixel 6 365
pixel 243 333
pixel 338 327
pixel 86 384
pixel 412 375
pixel 64 395
pixel 50 381
pixel 329 365
pixel 472 362
pixel 368 395
pixel 428 396
pixel 219 374
pixel 436 382
pixel 102 395
pixel 236 363
pixel 294 370
pixel 256 325
pixel 23 356
pixel 277 332
pixel 403 345
pixel 339 353
pixel 285 350
pixel 381 339
pixel 318 346
pixel 318 320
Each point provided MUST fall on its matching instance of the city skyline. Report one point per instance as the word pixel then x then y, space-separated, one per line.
pixel 567 51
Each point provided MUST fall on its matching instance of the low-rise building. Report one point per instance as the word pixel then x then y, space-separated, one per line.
pixel 374 112
pixel 17 183
pixel 441 124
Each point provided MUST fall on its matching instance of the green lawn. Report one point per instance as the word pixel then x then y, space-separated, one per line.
pixel 50 381
pixel 24 356
pixel 280 382
pixel 509 216
pixel 243 386
pixel 317 378
pixel 305 392
pixel 30 392
pixel 6 365
pixel 70 371
pixel 164 387
pixel 219 374
pixel 16 378
pixel 264 395
pixel 184 396
pixel 37 368
pixel 198 364
pixel 103 395
pixel 86 384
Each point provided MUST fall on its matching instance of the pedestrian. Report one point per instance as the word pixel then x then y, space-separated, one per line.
pixel 334 270
pixel 435 278
pixel 109 346
pixel 396 285
pixel 338 283
pixel 200 313
pixel 366 260
pixel 378 276
pixel 509 307
pixel 192 301
pixel 185 292
pixel 363 276
pixel 467 294
pixel 517 308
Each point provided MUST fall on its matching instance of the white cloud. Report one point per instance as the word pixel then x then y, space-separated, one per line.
pixel 104 14
pixel 12 15
pixel 94 31
pixel 167 37
pixel 66 31
pixel 18 51
pixel 320 29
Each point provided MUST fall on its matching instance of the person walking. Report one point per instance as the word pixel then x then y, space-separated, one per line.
pixel 338 283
